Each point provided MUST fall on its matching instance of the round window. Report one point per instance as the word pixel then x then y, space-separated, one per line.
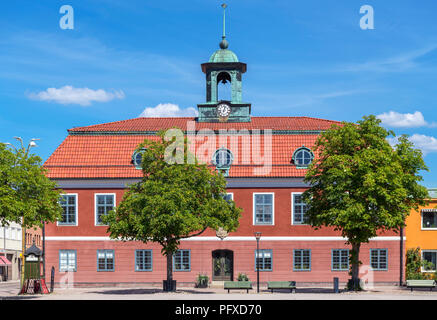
pixel 137 158
pixel 223 158
pixel 302 157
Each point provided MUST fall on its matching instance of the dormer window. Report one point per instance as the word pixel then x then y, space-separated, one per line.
pixel 137 158
pixel 222 159
pixel 302 157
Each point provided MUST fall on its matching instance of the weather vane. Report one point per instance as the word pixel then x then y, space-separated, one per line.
pixel 224 5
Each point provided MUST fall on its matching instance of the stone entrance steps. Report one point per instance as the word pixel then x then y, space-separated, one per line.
pixel 217 284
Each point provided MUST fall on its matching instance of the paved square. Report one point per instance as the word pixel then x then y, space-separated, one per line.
pixel 9 291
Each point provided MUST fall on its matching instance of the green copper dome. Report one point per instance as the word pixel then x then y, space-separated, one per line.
pixel 223 55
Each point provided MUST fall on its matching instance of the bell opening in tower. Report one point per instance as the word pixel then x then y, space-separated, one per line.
pixel 224 87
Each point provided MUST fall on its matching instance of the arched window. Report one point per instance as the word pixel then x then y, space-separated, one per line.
pixel 302 157
pixel 222 158
pixel 224 86
pixel 137 158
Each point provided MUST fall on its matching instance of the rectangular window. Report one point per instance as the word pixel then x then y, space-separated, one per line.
pixel 8 232
pixel 263 208
pixel 340 260
pixel 67 260
pixel 429 219
pixel 143 260
pixel 228 196
pixel 182 260
pixel 69 205
pixel 299 209
pixel 430 256
pixel 264 259
pixel 378 259
pixel 302 260
pixel 104 204
pixel 105 260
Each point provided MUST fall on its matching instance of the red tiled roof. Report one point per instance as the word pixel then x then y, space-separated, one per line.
pixel 105 150
pixel 261 123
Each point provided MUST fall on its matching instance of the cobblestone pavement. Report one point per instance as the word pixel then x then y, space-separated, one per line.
pixel 9 290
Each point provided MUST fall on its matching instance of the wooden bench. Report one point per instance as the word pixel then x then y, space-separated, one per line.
pixel 421 284
pixel 242 285
pixel 291 285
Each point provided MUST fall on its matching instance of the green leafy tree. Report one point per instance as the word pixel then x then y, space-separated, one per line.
pixel 177 198
pixel 360 184
pixel 27 196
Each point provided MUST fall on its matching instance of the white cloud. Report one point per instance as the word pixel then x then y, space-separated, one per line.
pixel 427 144
pixel 168 110
pixel 404 120
pixel 81 96
pixel 399 63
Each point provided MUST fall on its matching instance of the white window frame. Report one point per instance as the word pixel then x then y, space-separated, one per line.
pixel 254 207
pixel 422 252
pixel 76 211
pixel 95 206
pixel 232 195
pixel 292 210
pixel 421 222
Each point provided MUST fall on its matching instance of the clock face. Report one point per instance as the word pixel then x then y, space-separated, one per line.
pixel 223 110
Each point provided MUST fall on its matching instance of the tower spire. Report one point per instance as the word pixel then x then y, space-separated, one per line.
pixel 224 44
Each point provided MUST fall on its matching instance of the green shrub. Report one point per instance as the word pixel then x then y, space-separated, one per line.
pixel 242 277
pixel 414 265
pixel 202 281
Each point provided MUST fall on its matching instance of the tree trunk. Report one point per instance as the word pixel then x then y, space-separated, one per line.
pixel 168 284
pixel 169 267
pixel 355 262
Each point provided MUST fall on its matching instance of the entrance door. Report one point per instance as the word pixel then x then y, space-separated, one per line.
pixel 222 265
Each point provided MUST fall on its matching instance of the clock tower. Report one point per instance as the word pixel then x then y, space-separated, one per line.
pixel 223 66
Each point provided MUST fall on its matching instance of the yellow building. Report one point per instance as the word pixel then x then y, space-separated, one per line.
pixel 421 230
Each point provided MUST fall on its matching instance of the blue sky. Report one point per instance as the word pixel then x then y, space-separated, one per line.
pixel 305 58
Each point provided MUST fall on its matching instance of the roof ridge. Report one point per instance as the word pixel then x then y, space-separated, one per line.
pixel 320 119
pixel 121 121
pixel 193 118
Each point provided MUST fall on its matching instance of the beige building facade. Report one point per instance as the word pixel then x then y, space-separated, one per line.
pixel 11 248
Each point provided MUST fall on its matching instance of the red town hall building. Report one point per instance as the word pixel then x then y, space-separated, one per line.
pixel 264 160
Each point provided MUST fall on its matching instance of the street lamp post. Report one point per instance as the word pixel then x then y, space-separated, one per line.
pixel 257 237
